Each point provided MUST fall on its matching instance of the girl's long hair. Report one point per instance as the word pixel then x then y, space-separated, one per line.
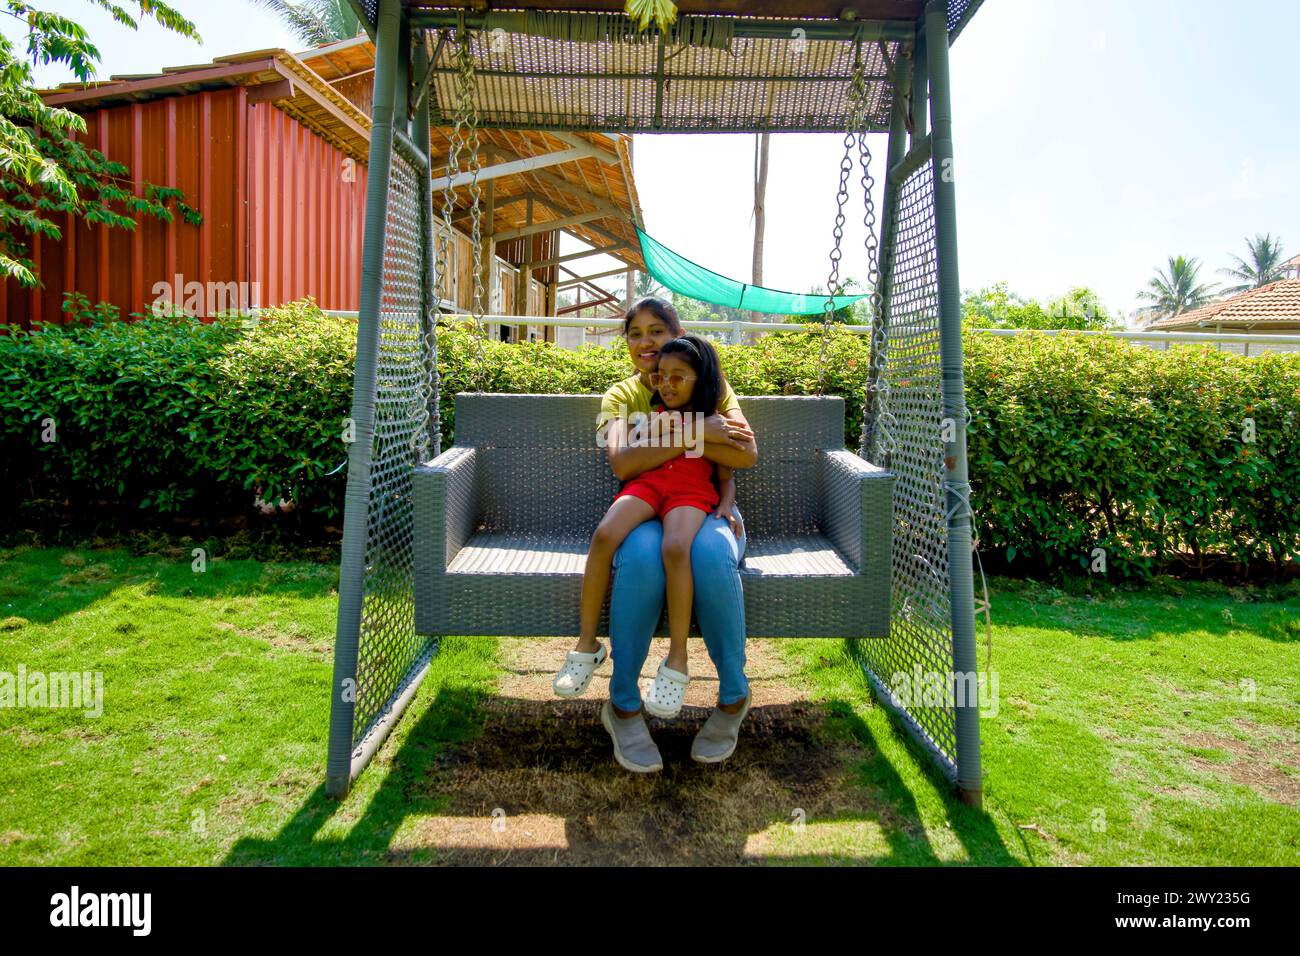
pixel 702 357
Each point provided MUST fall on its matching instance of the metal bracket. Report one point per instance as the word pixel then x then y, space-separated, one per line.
pixel 889 63
pixel 420 91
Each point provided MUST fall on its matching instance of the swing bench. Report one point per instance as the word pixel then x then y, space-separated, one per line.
pixel 490 536
pixel 504 518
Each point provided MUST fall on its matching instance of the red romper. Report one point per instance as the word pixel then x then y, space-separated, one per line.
pixel 684 480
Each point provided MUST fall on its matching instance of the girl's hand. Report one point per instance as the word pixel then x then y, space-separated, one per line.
pixel 666 430
pixel 718 428
pixel 725 511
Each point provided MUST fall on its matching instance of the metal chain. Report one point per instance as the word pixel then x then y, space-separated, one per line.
pixel 846 166
pixel 428 437
pixel 466 115
pixel 857 125
pixel 875 406
pixel 869 220
pixel 426 441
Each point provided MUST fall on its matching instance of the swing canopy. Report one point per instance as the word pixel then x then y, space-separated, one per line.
pixel 723 66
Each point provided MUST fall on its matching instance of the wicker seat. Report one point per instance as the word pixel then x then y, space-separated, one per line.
pixel 503 521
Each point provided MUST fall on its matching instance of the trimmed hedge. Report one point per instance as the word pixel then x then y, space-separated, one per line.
pixel 1075 443
pixel 1081 443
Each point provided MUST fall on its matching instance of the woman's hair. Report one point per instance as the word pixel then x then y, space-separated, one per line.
pixel 702 357
pixel 662 310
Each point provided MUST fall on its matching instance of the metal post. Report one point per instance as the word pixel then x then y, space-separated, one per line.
pixel 522 275
pixel 920 89
pixel 960 564
pixel 888 239
pixel 402 93
pixel 388 50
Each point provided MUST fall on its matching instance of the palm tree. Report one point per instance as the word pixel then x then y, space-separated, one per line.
pixel 316 22
pixel 646 284
pixel 1176 291
pixel 1264 265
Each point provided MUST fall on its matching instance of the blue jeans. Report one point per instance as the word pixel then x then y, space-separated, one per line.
pixel 637 600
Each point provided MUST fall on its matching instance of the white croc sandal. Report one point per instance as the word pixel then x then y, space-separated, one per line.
pixel 575 675
pixel 668 691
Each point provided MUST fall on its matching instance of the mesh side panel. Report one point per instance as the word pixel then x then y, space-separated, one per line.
pixel 921 630
pixel 389 649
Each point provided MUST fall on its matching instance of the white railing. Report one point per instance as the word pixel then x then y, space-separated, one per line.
pixel 1241 343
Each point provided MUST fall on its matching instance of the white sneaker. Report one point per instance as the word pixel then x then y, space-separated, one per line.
pixel 634 748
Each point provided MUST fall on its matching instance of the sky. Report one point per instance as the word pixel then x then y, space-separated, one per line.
pixel 1093 139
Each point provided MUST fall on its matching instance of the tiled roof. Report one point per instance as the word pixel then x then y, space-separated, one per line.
pixel 1275 304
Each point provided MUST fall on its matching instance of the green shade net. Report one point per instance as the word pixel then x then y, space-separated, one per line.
pixel 689 279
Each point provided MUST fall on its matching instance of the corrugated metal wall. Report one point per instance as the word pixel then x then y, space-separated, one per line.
pixel 192 142
pixel 283 212
pixel 281 208
pixel 306 203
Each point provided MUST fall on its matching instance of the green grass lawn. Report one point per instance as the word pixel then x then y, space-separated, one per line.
pixel 1152 726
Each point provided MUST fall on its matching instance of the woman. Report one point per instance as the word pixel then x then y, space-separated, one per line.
pixel 637 595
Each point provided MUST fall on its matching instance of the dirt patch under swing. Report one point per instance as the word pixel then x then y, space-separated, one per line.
pixel 540 786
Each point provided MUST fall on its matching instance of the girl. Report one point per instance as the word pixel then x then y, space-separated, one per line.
pixel 682 493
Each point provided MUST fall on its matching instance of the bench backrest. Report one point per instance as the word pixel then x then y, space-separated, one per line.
pixel 541 470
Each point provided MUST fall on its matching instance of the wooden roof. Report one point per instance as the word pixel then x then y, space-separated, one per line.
pixel 597 177
pixel 334 61
pixel 599 182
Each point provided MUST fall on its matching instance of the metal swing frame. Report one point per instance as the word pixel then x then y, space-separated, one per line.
pixel 917 424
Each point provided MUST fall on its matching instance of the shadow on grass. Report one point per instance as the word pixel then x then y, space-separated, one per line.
pixel 543 773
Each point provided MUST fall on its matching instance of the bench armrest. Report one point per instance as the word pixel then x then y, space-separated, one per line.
pixel 857 501
pixel 858 505
pixel 445 499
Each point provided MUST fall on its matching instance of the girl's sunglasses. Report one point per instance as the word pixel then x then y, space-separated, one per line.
pixel 676 380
